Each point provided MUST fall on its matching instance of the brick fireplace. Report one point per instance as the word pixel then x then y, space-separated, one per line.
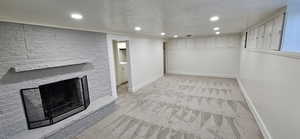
pixel 32 56
pixel 51 103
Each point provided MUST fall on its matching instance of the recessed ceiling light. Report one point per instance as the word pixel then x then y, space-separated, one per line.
pixel 214 18
pixel 218 33
pixel 175 36
pixel 137 28
pixel 162 34
pixel 76 16
pixel 216 28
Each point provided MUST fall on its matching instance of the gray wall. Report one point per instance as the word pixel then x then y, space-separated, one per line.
pixel 24 44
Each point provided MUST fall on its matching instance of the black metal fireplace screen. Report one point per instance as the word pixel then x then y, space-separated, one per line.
pixel 51 103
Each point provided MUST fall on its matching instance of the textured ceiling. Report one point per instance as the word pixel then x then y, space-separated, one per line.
pixel 180 17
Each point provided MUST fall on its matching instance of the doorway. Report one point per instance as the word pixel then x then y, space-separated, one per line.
pixel 164 58
pixel 120 51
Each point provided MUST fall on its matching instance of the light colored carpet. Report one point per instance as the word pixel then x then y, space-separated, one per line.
pixel 179 107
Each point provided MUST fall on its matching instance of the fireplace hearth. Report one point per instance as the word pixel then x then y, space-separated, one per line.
pixel 51 103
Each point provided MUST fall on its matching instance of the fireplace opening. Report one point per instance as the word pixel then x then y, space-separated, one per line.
pixel 51 103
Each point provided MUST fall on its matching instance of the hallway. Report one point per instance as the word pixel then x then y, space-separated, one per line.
pixel 179 107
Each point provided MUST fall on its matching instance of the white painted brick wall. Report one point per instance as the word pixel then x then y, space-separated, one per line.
pixel 21 44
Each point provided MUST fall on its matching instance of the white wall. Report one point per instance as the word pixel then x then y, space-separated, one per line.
pixel 272 83
pixel 146 61
pixel 208 56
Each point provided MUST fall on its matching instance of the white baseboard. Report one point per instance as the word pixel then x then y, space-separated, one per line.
pixel 143 84
pixel 233 76
pixel 258 119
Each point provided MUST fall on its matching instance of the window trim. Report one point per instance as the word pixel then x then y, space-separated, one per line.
pixel 293 55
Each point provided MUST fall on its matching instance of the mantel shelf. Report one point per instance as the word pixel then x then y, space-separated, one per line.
pixel 46 65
